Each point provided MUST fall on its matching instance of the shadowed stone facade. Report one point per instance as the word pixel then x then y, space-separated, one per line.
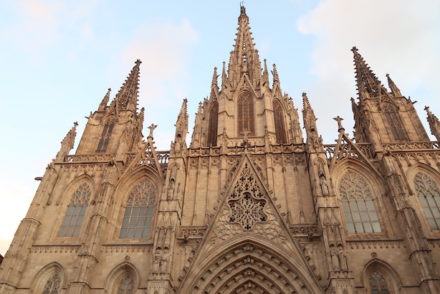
pixel 248 206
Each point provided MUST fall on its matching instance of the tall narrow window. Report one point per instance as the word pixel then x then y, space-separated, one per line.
pixel 52 285
pixel 126 285
pixel 213 123
pixel 75 212
pixel 279 122
pixel 359 210
pixel 245 114
pixel 139 212
pixel 378 284
pixel 429 197
pixel 395 122
pixel 105 137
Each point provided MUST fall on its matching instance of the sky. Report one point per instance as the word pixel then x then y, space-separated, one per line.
pixel 58 58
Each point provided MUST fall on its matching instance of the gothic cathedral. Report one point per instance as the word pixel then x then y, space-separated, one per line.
pixel 248 206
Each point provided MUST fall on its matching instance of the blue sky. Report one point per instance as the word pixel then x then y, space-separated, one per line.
pixel 57 60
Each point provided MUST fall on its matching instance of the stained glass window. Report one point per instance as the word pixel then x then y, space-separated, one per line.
pixel 213 122
pixel 52 285
pixel 245 114
pixel 279 122
pixel 395 122
pixel 139 212
pixel 357 202
pixel 429 197
pixel 75 212
pixel 378 284
pixel 126 285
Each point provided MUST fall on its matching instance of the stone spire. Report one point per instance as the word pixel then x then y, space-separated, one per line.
pixel 195 139
pixel 224 76
pixel 67 143
pixel 104 101
pixel 127 97
pixel 314 141
pixel 276 79
pixel 182 123
pixel 244 57
pixel 265 74
pixel 434 123
pixel 367 83
pixel 214 83
pixel 394 89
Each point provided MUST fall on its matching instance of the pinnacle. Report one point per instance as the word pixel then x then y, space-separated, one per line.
pixel 128 94
pixel 366 80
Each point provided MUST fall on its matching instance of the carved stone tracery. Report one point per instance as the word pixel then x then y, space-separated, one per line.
pixel 246 201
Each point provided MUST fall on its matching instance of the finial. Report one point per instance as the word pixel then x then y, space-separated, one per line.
pixel 138 61
pixel 75 123
pixel 152 127
pixel 339 120
pixel 354 49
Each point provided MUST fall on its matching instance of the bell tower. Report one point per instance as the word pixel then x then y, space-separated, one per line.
pixel 246 105
pixel 383 116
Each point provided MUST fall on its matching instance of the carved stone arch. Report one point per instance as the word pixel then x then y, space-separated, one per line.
pixel 122 193
pixel 65 195
pixel 213 124
pixel 250 259
pixel 245 113
pixel 377 220
pixel 382 269
pixel 426 210
pixel 279 112
pixel 118 274
pixel 44 276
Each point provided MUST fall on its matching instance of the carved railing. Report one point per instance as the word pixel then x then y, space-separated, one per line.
pixel 413 146
pixel 347 151
pixel 88 158
pixel 253 149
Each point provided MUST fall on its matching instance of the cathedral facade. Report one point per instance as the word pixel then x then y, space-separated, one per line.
pixel 247 205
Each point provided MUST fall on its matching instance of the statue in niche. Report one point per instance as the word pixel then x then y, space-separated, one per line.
pixel 342 258
pixel 334 258
pixel 322 179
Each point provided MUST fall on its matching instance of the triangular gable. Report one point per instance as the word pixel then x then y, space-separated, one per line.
pixel 246 211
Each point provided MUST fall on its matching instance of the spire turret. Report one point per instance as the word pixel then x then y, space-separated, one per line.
pixel 434 123
pixel 368 84
pixel 127 97
pixel 265 74
pixel 104 101
pixel 276 79
pixel 214 79
pixel 67 143
pixel 244 57
pixel 394 89
pixel 182 123
pixel 314 141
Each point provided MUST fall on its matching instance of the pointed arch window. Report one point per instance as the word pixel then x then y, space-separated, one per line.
pixel 378 284
pixel 245 114
pixel 139 212
pixel 357 202
pixel 105 136
pixel 52 285
pixel 126 285
pixel 213 124
pixel 76 212
pixel 278 114
pixel 429 197
pixel 395 122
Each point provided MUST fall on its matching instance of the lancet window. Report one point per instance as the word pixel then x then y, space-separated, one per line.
pixel 357 202
pixel 378 284
pixel 395 122
pixel 126 285
pixel 278 114
pixel 429 197
pixel 213 124
pixel 139 211
pixel 76 212
pixel 245 114
pixel 52 285
pixel 105 137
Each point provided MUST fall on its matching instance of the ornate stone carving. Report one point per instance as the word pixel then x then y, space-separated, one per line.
pixel 247 201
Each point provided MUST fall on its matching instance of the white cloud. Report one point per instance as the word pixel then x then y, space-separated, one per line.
pixel 396 37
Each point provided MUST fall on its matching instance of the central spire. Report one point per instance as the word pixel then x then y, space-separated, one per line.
pixel 244 57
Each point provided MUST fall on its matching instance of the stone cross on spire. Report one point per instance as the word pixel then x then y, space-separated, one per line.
pixel 339 120
pixel 151 127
